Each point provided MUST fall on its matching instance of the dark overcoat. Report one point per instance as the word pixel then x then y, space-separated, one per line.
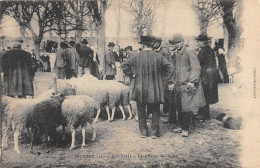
pixel 187 69
pixel 148 67
pixel 209 74
pixel 18 73
pixel 85 55
pixel 110 60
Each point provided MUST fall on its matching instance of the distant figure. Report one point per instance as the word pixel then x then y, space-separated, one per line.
pixel 129 52
pixel 73 59
pixel 18 73
pixel 209 75
pixel 110 64
pixel 85 57
pixel 46 63
pixel 61 61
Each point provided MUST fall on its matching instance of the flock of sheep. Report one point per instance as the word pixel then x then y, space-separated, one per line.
pixel 70 103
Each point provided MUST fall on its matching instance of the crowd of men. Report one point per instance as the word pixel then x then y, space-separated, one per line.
pixel 184 81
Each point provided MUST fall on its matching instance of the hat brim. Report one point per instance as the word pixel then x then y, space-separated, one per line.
pixel 199 39
pixel 110 45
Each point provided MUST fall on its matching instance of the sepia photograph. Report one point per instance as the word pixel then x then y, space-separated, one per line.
pixel 130 83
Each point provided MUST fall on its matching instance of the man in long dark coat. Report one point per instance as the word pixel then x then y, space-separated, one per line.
pixel 110 62
pixel 85 58
pixel 73 59
pixel 18 73
pixel 188 91
pixel 148 89
pixel 209 75
pixel 164 51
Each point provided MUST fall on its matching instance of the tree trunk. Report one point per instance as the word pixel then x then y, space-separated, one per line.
pixel 78 35
pixel 203 26
pixel 23 32
pixel 233 28
pixel 101 36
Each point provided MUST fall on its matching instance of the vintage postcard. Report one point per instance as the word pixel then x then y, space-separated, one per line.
pixel 130 83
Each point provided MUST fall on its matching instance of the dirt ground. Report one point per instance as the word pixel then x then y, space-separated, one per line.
pixel 118 145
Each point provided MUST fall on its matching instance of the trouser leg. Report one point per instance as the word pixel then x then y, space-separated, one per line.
pixel 185 120
pixel 155 119
pixel 172 109
pixel 166 105
pixel 204 111
pixel 142 119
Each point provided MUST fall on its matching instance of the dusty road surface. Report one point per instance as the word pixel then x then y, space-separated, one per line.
pixel 118 145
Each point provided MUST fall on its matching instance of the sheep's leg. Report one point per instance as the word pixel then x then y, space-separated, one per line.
pixel 123 112
pixel 16 134
pixel 113 113
pixel 5 137
pixel 63 131
pixel 108 114
pixel 83 136
pixel 72 138
pixel 130 112
pixel 94 132
pixel 33 130
pixel 98 112
pixel 136 116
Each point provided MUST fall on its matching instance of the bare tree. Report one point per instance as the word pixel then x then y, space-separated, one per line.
pixel 206 11
pixel 79 17
pixel 143 12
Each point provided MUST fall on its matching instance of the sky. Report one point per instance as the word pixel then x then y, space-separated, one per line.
pixel 180 18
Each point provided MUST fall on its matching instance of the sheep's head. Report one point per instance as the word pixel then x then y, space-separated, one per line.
pixel 58 96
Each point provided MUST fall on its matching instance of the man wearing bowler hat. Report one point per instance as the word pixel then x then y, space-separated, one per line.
pixel 209 75
pixel 110 62
pixel 18 72
pixel 149 68
pixel 188 91
pixel 85 55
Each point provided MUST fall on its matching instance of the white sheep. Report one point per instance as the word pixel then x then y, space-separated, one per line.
pixel 107 93
pixel 78 111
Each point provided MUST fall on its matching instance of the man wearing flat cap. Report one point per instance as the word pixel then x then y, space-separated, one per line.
pixel 61 61
pixel 110 62
pixel 148 68
pixel 18 72
pixel 73 59
pixel 209 75
pixel 85 57
pixel 188 91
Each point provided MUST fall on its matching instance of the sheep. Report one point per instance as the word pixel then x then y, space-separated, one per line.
pixel 32 113
pixel 98 93
pixel 106 93
pixel 118 95
pixel 78 111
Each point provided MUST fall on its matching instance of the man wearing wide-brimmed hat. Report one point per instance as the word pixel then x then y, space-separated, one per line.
pixel 148 68
pixel 73 59
pixel 18 72
pixel 85 57
pixel 209 75
pixel 188 91
pixel 110 62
